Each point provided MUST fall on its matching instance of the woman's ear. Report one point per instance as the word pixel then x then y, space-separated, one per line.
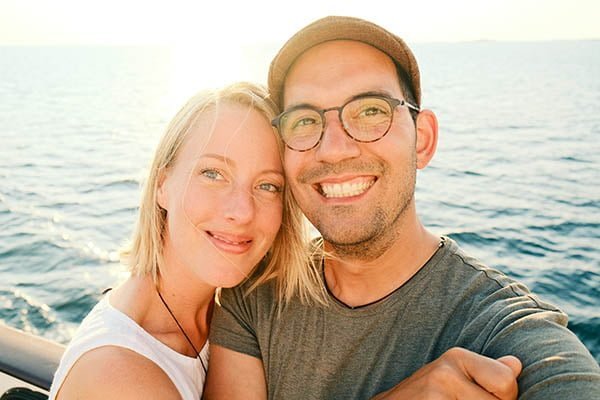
pixel 161 190
pixel 427 137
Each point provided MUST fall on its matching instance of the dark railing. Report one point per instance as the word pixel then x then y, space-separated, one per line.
pixel 28 358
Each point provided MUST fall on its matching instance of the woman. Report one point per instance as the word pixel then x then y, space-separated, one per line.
pixel 211 209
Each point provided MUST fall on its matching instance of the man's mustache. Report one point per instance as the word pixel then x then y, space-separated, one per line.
pixel 358 167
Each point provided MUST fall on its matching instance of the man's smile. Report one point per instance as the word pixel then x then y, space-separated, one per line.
pixel 348 188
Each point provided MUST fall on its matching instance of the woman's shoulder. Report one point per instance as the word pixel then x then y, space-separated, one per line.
pixel 117 372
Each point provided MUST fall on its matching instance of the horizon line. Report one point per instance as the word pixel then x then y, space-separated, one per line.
pixel 245 44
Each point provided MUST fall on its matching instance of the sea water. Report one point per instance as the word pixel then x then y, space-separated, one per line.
pixel 515 179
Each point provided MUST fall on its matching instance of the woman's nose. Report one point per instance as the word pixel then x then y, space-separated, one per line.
pixel 239 206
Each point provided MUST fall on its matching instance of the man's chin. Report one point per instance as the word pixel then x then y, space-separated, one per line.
pixel 347 238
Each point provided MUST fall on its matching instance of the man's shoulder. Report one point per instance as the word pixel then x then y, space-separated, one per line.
pixel 468 273
pixel 459 262
pixel 247 292
pixel 485 284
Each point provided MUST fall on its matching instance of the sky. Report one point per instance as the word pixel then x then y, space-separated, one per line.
pixel 134 22
pixel 212 43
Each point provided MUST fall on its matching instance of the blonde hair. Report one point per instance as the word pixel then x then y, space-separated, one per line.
pixel 288 260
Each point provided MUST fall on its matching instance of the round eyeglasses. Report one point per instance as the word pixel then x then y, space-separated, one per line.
pixel 365 119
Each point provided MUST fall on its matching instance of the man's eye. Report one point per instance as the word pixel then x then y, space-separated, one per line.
pixel 212 174
pixel 307 121
pixel 371 111
pixel 270 187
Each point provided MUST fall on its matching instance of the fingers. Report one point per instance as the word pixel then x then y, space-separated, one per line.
pixel 513 363
pixel 470 391
pixel 497 377
pixel 427 390
pixel 460 374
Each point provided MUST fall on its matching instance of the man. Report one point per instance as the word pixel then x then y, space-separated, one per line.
pixel 410 315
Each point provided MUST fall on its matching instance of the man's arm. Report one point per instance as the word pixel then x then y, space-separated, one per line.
pixel 460 374
pixel 555 362
pixel 233 375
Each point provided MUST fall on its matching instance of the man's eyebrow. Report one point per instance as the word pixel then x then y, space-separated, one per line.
pixel 300 105
pixel 384 93
pixel 380 92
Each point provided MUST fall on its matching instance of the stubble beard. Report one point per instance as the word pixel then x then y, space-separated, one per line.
pixel 371 239
pixel 373 242
pixel 365 240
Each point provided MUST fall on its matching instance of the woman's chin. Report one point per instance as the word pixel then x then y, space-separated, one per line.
pixel 230 279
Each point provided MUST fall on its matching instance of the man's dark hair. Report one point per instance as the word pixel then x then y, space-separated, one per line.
pixel 407 90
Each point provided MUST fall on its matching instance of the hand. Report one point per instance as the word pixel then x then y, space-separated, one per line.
pixel 460 374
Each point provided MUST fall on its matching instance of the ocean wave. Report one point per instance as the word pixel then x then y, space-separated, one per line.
pixel 76 303
pixel 472 238
pixel 54 244
pixel 22 311
pixel 586 329
pixel 25 312
pixel 576 159
pixel 507 242
pixel 113 185
pixel 569 227
pixel 559 283
pixel 35 245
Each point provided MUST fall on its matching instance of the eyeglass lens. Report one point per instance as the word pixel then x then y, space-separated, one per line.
pixel 365 119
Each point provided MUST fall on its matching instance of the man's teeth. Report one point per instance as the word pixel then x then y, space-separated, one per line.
pixel 335 190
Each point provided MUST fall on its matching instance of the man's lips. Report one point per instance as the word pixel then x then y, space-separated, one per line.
pixel 345 188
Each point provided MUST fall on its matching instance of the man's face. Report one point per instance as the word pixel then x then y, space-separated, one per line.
pixel 352 192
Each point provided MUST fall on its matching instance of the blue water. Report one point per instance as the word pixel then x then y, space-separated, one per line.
pixel 515 179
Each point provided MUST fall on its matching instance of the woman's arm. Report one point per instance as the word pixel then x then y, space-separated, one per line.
pixel 233 375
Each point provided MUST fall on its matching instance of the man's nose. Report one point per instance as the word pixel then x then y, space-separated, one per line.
pixel 336 145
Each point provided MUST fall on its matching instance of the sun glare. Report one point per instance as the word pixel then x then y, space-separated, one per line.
pixel 209 64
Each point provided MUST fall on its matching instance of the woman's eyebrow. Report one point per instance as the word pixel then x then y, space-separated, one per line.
pixel 219 157
pixel 230 161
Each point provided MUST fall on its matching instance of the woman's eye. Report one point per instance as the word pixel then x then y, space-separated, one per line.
pixel 270 187
pixel 212 174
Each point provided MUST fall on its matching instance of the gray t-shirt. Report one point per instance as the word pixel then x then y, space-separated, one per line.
pixel 335 352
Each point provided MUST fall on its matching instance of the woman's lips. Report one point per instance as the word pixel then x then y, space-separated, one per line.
pixel 235 244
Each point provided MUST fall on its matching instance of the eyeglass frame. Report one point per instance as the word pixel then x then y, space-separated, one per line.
pixel 392 102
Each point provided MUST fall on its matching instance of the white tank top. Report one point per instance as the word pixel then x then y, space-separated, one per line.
pixel 107 326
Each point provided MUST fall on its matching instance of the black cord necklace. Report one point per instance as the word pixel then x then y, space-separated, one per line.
pixel 182 331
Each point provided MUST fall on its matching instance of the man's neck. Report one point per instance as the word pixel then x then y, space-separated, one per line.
pixel 356 282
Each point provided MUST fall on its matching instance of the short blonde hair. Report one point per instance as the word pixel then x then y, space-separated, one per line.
pixel 288 260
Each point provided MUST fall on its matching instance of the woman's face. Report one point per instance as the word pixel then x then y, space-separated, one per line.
pixel 223 196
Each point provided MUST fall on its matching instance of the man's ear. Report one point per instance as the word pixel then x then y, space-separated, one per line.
pixel 427 137
pixel 161 190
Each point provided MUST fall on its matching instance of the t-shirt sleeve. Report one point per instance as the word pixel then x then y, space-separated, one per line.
pixel 556 365
pixel 233 322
